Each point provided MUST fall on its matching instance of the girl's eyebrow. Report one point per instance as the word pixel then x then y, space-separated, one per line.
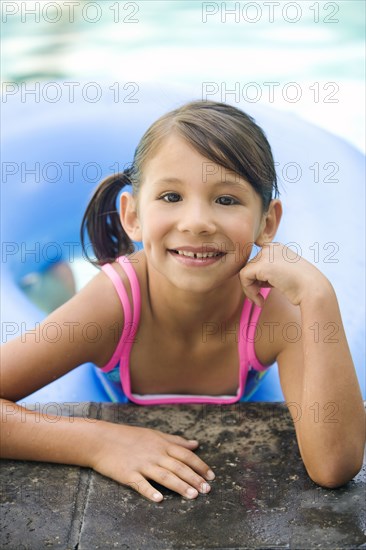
pixel 230 182
pixel 233 183
pixel 167 180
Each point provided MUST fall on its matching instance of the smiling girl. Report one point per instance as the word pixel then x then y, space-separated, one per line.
pixel 193 312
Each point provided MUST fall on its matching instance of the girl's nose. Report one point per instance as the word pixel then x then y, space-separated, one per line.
pixel 197 219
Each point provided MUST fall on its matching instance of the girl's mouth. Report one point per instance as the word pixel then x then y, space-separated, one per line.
pixel 196 259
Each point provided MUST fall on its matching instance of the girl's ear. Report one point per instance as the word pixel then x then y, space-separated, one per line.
pixel 129 216
pixel 270 222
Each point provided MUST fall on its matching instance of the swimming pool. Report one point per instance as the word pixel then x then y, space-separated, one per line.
pixel 304 57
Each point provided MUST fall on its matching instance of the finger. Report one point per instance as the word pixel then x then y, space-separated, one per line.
pixel 178 440
pixel 259 300
pixel 254 295
pixel 168 479
pixel 252 291
pixel 144 488
pixel 192 460
pixel 251 273
pixel 252 286
pixel 186 473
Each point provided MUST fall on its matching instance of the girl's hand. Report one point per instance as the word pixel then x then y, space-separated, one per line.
pixel 278 266
pixel 132 455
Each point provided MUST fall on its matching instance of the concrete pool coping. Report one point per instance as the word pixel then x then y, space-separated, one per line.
pixel 261 497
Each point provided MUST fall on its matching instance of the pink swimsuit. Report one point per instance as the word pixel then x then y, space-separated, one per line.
pixel 117 371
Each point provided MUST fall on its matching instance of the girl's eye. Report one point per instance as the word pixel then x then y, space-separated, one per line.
pixel 170 197
pixel 227 201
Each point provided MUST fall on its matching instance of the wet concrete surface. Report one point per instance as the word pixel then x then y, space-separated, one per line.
pixel 261 497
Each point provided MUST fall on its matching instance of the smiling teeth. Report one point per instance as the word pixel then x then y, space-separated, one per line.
pixel 198 254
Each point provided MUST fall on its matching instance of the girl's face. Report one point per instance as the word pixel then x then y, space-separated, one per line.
pixel 191 205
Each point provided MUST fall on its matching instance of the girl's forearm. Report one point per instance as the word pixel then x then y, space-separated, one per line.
pixel 332 426
pixel 27 435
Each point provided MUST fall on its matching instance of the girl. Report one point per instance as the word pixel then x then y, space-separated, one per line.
pixel 190 318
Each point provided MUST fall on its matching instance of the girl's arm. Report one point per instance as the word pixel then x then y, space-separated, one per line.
pixel 317 374
pixel 127 454
pixel 321 389
pixel 54 347
pixel 28 435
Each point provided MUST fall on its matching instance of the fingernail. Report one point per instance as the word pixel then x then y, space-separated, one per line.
pixel 192 492
pixel 210 475
pixel 157 496
pixel 205 488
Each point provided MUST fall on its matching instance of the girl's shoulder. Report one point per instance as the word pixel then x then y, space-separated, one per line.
pixel 138 262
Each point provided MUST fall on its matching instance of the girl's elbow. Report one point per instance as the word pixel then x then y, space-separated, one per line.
pixel 336 477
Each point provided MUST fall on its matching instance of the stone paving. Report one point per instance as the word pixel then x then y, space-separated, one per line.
pixel 261 498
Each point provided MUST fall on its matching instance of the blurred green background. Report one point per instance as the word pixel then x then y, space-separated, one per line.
pixel 317 45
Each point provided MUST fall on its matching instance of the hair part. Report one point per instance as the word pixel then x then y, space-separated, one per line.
pixel 221 133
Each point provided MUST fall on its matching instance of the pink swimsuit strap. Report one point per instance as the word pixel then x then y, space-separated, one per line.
pixel 130 322
pixel 251 332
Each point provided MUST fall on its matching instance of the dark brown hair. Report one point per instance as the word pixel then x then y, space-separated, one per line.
pixel 220 132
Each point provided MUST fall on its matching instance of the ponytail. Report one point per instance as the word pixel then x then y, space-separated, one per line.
pixel 102 224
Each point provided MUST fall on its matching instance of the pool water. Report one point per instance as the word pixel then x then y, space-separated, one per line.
pixel 306 57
